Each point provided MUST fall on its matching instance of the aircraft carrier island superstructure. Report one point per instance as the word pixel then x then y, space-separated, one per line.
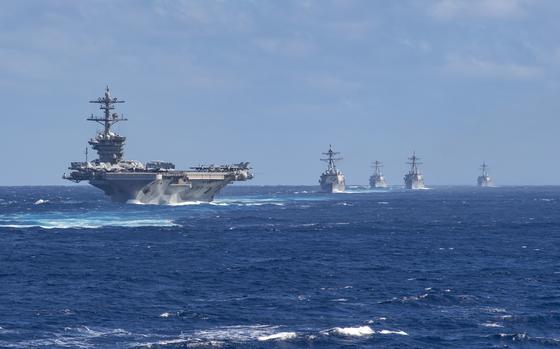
pixel 154 182
pixel 414 179
pixel 332 180
pixel 377 180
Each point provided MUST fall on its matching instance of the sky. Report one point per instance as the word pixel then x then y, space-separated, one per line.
pixel 275 82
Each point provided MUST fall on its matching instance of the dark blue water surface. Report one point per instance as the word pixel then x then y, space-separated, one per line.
pixel 282 267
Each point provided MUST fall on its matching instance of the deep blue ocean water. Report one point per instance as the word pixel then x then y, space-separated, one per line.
pixel 282 267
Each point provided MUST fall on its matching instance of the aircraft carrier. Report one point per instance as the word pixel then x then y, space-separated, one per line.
pixel 377 180
pixel 414 179
pixel 484 180
pixel 332 180
pixel 155 182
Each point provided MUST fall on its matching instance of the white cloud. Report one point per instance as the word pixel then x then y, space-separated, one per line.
pixel 448 9
pixel 473 67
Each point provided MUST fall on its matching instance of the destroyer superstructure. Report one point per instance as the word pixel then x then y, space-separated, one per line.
pixel 377 180
pixel 155 182
pixel 484 180
pixel 332 180
pixel 414 179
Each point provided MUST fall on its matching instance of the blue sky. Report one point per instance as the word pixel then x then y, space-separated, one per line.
pixel 274 82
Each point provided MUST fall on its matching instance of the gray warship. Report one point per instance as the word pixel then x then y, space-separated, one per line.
pixel 414 179
pixel 155 182
pixel 377 180
pixel 484 180
pixel 332 180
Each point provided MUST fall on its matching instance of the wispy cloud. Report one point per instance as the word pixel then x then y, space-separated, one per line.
pixel 473 67
pixel 291 47
pixel 448 9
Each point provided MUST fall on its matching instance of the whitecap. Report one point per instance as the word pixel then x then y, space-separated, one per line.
pixel 40 202
pixel 166 314
pixel 491 324
pixel 359 331
pixel 235 333
pixel 399 332
pixel 278 336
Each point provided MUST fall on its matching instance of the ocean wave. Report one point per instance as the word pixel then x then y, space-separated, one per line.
pixel 75 223
pixel 70 337
pixel 361 331
pixel 491 324
pixel 358 331
pixel 399 332
pixel 219 336
pixel 278 336
pixel 235 333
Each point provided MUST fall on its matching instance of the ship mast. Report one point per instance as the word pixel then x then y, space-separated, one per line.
pixel 109 145
pixel 414 164
pixel 377 168
pixel 484 169
pixel 331 160
pixel 109 119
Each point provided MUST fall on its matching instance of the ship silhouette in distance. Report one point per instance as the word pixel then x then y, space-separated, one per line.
pixel 377 180
pixel 484 180
pixel 414 179
pixel 332 179
pixel 155 182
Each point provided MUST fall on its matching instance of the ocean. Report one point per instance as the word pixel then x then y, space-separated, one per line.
pixel 282 267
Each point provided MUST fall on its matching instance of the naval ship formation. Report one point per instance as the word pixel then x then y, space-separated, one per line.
pixel 154 182
pixel 332 180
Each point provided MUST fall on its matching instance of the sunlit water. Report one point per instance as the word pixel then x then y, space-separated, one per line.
pixel 282 267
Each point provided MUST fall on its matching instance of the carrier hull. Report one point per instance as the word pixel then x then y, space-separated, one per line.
pixel 162 188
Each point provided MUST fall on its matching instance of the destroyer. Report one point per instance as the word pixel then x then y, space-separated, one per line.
pixel 332 180
pixel 414 179
pixel 484 180
pixel 377 180
pixel 155 182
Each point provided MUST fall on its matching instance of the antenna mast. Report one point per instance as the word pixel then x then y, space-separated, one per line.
pixel 331 160
pixel 107 103
pixel 414 163
pixel 484 169
pixel 377 167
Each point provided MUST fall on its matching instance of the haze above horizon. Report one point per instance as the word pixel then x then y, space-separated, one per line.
pixel 275 82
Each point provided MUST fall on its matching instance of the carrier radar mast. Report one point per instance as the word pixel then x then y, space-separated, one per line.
pixel 107 104
pixel 331 160
pixel 109 145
